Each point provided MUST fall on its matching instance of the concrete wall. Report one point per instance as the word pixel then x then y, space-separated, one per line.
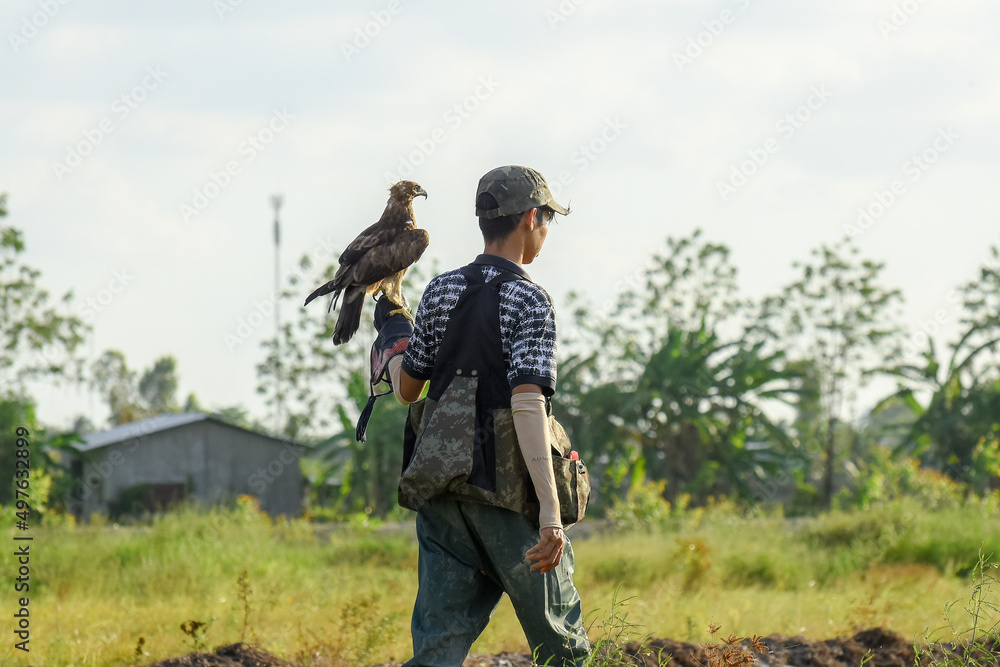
pixel 238 462
pixel 217 461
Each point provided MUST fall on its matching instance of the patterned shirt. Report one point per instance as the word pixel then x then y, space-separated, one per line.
pixel 527 325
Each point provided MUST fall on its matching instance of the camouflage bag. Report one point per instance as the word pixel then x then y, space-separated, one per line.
pixel 572 478
pixel 460 440
pixel 444 468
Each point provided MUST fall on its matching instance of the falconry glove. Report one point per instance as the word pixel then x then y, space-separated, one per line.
pixel 394 331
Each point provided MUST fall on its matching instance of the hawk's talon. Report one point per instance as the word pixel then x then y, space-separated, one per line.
pixel 404 311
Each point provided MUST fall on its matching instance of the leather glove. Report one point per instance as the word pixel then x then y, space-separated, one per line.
pixel 394 331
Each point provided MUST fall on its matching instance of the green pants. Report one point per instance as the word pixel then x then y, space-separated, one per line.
pixel 470 555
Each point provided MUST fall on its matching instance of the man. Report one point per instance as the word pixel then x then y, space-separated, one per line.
pixel 477 464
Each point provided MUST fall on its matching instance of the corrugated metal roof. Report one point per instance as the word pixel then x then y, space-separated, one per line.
pixel 139 429
pixel 144 427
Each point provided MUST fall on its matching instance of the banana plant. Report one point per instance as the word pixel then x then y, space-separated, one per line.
pixel 956 427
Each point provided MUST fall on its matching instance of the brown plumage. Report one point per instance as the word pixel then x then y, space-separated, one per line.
pixel 377 260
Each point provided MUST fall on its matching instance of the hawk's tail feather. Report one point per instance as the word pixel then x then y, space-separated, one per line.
pixel 350 315
pixel 326 288
pixel 333 301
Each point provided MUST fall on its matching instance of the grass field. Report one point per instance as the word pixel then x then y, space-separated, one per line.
pixel 345 591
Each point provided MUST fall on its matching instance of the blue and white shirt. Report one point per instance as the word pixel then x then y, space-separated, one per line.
pixel 527 325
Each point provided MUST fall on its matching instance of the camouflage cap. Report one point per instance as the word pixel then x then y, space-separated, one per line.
pixel 515 189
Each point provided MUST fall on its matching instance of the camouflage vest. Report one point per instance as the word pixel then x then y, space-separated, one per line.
pixel 460 440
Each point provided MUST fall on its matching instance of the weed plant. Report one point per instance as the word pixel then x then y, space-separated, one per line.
pixel 975 642
pixel 732 651
pixel 612 633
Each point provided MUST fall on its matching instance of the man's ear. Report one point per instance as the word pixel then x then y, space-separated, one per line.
pixel 532 217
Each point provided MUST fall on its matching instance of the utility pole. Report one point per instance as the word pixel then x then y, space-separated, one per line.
pixel 276 201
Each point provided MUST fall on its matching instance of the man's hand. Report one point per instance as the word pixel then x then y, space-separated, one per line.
pixel 549 550
pixel 394 331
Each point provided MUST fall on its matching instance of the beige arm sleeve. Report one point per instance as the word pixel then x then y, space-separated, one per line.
pixel 532 427
pixel 395 366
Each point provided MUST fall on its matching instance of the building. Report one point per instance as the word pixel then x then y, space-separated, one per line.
pixel 152 463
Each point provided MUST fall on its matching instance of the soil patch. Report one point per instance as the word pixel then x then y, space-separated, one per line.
pixel 877 647
pixel 234 655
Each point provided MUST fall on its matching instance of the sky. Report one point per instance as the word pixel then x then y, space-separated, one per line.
pixel 142 143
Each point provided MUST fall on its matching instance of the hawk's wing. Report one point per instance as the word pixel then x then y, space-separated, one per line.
pixel 375 235
pixel 373 257
pixel 383 261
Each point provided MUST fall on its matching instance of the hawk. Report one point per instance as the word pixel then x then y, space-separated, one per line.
pixel 377 260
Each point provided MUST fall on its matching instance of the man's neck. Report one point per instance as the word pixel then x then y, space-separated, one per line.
pixel 509 251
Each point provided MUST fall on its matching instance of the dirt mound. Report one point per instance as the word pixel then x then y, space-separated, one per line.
pixel 887 650
pixel 234 655
pixel 877 647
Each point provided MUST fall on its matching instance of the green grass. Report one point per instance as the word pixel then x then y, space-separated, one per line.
pixel 97 589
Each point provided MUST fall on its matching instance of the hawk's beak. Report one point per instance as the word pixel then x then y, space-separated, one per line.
pixel 420 192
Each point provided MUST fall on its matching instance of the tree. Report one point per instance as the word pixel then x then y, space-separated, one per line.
pixel 699 406
pixel 587 408
pixel 838 316
pixel 235 415
pixel 158 386
pixel 956 429
pixel 37 342
pixel 128 399
pixel 695 417
pixel 661 394
pixel 112 378
pixel 687 284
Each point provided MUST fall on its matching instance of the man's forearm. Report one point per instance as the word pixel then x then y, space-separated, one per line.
pixel 407 389
pixel 532 427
